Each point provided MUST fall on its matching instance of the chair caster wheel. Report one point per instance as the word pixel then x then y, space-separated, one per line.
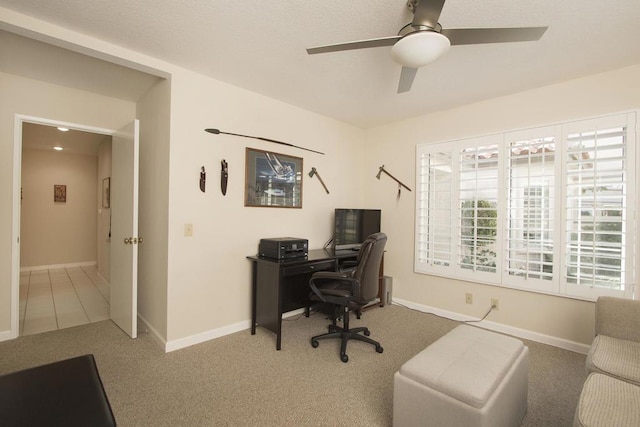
pixel 379 349
pixel 366 332
pixel 344 358
pixel 314 343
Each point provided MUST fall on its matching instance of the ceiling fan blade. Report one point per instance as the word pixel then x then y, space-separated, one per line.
pixel 406 79
pixel 361 44
pixel 493 35
pixel 427 13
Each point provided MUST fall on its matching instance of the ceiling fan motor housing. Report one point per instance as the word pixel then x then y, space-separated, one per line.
pixel 420 48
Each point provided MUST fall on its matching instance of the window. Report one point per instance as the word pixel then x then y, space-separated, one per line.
pixel 549 209
pixel 531 163
pixel 596 211
pixel 477 208
pixel 434 198
pixel 535 210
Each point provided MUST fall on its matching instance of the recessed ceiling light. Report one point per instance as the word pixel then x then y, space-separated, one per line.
pixel 61 129
pixel 57 148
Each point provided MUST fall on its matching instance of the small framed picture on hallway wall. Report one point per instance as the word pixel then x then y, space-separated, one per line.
pixel 60 193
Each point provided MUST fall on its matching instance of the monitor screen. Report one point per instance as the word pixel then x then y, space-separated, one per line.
pixel 353 226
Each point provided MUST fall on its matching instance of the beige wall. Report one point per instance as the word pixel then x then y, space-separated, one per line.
pixel 103 239
pixel 394 145
pixel 154 113
pixel 34 98
pixel 53 233
pixel 209 275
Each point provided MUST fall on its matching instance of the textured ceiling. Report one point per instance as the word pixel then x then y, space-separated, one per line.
pixel 260 45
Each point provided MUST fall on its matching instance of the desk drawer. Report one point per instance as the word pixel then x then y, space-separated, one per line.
pixel 309 268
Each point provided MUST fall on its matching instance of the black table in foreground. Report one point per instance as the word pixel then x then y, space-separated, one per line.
pixel 65 393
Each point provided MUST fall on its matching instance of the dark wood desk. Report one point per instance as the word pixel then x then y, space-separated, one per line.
pixel 279 286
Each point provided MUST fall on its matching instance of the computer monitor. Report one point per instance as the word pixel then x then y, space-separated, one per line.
pixel 353 226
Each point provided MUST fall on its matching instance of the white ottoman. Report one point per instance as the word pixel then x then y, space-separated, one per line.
pixel 469 377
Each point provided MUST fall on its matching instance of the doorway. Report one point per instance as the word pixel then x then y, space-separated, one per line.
pixel 64 228
pixel 125 152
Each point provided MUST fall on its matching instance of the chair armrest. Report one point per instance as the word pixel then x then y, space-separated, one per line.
pixel 332 276
pixel 329 275
pixel 618 318
pixel 349 264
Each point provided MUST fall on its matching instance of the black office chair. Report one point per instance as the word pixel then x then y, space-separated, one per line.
pixel 350 292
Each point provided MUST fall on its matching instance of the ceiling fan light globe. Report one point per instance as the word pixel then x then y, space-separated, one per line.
pixel 418 49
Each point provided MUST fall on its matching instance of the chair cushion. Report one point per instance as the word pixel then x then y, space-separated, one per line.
pixel 343 291
pixel 467 364
pixel 615 357
pixel 606 401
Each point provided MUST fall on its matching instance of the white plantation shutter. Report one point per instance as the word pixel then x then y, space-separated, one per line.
pixel 456 209
pixel 477 208
pixel 548 209
pixel 599 224
pixel 434 212
pixel 531 168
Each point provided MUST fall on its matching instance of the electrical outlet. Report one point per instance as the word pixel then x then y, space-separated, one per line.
pixel 468 298
pixel 495 303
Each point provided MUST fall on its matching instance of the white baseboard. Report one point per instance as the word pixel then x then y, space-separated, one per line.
pixel 217 333
pixel 291 313
pixel 499 327
pixel 206 336
pixel 55 266
pixel 154 333
pixel 178 344
pixel 6 335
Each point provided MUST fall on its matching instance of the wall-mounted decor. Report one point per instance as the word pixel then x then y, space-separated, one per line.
pixel 106 193
pixel 224 176
pixel 60 193
pixel 314 172
pixel 218 132
pixel 273 179
pixel 400 185
pixel 203 179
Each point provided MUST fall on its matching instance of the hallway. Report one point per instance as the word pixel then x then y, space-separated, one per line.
pixel 62 298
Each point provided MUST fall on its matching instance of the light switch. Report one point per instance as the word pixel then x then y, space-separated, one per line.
pixel 188 230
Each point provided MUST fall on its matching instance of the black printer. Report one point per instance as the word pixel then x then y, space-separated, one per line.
pixel 283 248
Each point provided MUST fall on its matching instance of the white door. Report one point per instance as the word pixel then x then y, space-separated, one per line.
pixel 124 228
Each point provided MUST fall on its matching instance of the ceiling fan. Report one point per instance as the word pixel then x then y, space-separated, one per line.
pixel 423 40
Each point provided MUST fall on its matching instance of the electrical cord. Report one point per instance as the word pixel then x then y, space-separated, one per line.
pixel 329 242
pixel 483 317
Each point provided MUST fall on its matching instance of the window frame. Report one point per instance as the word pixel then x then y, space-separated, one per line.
pixel 558 284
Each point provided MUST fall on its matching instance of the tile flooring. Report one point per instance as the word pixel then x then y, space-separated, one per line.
pixel 61 298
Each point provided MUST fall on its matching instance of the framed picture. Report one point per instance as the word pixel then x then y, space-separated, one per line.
pixel 272 179
pixel 60 193
pixel 106 195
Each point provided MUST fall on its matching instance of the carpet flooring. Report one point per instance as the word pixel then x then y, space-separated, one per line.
pixel 241 380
